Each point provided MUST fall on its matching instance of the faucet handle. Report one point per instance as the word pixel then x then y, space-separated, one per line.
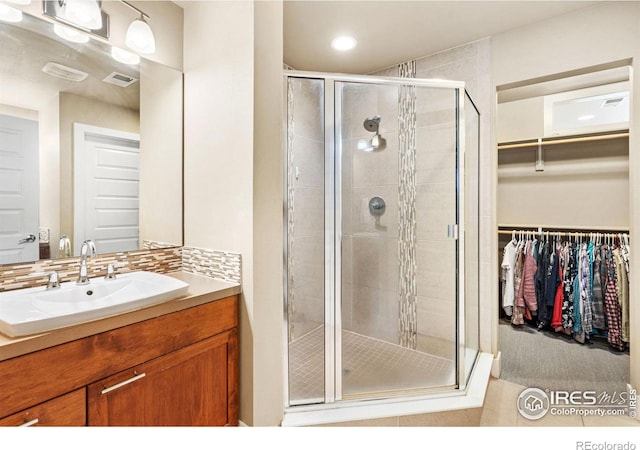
pixel 111 269
pixel 54 280
pixel 111 272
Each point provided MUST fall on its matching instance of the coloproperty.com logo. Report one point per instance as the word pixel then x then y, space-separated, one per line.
pixel 534 403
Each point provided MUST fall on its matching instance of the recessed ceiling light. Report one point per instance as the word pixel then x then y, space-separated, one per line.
pixel 343 43
pixel 586 117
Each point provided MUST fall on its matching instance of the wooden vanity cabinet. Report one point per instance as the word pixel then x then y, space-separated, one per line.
pixel 186 387
pixel 66 410
pixel 177 369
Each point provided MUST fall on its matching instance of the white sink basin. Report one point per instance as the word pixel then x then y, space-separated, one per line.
pixel 36 310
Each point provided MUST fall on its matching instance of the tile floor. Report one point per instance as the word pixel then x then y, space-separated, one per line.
pixel 369 366
pixel 499 410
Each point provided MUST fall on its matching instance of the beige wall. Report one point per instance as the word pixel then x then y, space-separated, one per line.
pixel 49 145
pixel 593 36
pixel 160 154
pixel 77 109
pixel 233 168
pixel 268 393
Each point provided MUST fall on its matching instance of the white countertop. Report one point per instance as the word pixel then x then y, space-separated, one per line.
pixel 201 290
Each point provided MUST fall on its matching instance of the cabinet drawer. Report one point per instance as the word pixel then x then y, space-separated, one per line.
pixel 66 410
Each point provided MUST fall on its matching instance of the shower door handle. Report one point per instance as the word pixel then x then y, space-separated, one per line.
pixel 452 231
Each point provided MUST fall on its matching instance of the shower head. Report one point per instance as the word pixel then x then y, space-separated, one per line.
pixel 372 123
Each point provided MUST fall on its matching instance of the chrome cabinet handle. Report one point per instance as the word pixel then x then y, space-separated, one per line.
pixel 30 238
pixel 122 383
pixel 29 423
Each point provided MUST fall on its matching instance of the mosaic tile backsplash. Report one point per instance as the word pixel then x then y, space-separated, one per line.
pixel 221 265
pixel 19 276
pixel 215 264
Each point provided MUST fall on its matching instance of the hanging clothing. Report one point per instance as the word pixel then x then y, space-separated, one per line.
pixel 540 277
pixel 528 288
pixel 556 319
pixel 518 310
pixel 586 289
pixel 612 306
pixel 553 280
pixel 623 293
pixel 508 273
pixel 597 298
pixel 570 273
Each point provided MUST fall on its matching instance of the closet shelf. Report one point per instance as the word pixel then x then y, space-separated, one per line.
pixel 566 140
pixel 504 228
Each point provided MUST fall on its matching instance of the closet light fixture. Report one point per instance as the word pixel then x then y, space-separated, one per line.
pixel 139 35
pixel 10 14
pixel 70 34
pixel 124 56
pixel 84 13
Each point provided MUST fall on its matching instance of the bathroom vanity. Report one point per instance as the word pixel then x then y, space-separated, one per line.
pixel 175 363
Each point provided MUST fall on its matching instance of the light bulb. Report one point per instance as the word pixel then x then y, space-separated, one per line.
pixel 140 37
pixel 70 34
pixel 10 14
pixel 124 56
pixel 84 13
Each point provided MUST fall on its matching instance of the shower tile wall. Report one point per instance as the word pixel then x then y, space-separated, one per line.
pixel 466 63
pixel 306 230
pixel 370 268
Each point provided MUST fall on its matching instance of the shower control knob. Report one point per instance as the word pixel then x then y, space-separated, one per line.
pixel 377 206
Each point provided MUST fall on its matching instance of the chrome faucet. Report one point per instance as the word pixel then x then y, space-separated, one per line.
pixel 65 246
pixel 88 249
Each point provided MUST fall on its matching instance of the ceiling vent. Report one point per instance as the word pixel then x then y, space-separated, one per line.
pixel 120 79
pixel 64 72
pixel 612 102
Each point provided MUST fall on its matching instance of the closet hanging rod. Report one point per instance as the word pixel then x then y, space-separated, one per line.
pixel 562 232
pixel 556 228
pixel 601 137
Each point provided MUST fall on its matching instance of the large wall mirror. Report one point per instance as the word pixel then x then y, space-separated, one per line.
pixel 90 147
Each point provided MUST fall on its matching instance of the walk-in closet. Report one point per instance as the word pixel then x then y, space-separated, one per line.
pixel 563 231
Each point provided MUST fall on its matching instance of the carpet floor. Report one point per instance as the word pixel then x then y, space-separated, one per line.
pixel 549 360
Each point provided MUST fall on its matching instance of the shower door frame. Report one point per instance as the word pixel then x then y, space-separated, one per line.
pixel 333 238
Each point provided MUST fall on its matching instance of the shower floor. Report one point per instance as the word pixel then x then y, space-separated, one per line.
pixel 368 366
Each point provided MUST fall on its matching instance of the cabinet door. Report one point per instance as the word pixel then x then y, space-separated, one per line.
pixel 191 386
pixel 66 410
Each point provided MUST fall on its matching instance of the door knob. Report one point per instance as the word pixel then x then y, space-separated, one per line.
pixel 30 238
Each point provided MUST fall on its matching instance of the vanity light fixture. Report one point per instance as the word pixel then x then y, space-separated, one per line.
pixel 10 14
pixel 124 56
pixel 84 13
pixel 70 34
pixel 139 35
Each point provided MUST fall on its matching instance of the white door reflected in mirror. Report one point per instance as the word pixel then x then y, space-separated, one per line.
pixel 18 190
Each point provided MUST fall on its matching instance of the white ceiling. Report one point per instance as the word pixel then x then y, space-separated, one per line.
pixel 390 32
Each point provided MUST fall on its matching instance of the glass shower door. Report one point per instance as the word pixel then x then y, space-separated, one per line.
pixel 397 199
